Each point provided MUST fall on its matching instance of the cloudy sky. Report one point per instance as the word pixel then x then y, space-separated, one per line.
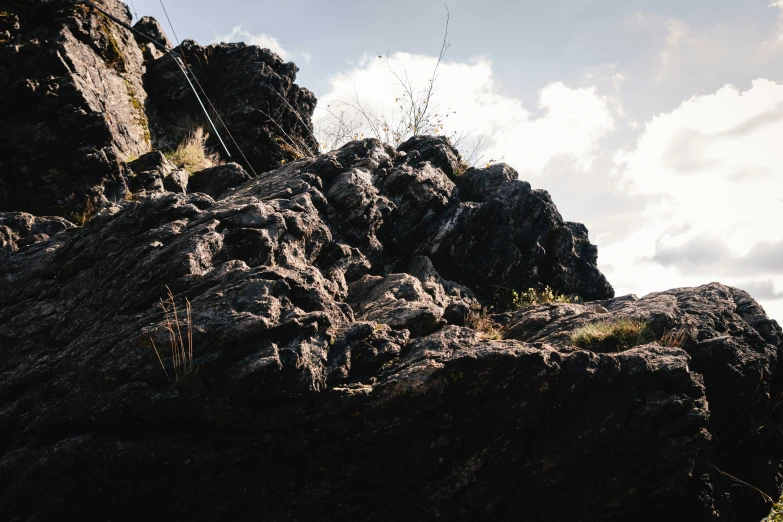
pixel 657 124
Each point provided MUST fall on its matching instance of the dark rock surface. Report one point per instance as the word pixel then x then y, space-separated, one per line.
pixel 72 101
pixel 150 27
pixel 154 173
pixel 253 90
pixel 74 97
pixel 733 345
pixel 339 367
pixel 19 229
pixel 215 181
pixel 333 383
pixel 482 184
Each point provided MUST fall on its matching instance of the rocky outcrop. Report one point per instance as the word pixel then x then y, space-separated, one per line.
pixel 251 88
pixel 72 100
pixel 154 173
pixel 733 346
pixel 337 365
pixel 215 181
pixel 74 91
pixel 19 229
pixel 309 343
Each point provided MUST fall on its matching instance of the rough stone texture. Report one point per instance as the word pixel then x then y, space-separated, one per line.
pixel 335 378
pixel 436 150
pixel 72 101
pixel 19 229
pixel 330 385
pixel 149 26
pixel 154 173
pixel 482 184
pixel 530 245
pixel 252 89
pixel 398 300
pixel 215 181
pixel 732 344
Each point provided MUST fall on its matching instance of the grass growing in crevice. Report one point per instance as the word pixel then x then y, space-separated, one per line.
pixel 612 336
pixel 192 153
pixel 622 334
pixel 674 338
pixel 482 322
pixel 507 299
pixel 181 349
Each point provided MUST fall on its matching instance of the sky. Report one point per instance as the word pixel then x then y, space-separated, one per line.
pixel 657 124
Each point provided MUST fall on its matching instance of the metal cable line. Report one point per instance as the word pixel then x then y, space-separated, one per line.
pixel 171 53
pixel 195 78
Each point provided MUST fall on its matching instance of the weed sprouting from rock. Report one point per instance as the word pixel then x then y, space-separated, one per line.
pixel 609 336
pixel 181 348
pixel 480 320
pixel 192 154
pixel 507 299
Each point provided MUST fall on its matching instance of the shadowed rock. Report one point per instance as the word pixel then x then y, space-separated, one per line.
pixel 73 108
pixel 301 352
pixel 325 300
pixel 215 181
pixel 154 173
pixel 252 89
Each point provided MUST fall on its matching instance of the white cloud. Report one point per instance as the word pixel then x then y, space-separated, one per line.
pixel 240 33
pixel 717 160
pixel 704 57
pixel 779 5
pixel 569 121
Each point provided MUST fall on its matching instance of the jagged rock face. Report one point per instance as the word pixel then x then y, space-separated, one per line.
pixel 394 205
pixel 151 28
pixel 215 181
pixel 74 96
pixel 19 229
pixel 326 304
pixel 736 349
pixel 252 89
pixel 334 380
pixel 154 173
pixel 72 101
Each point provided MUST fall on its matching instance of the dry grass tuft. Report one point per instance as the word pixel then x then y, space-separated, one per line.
pixel 612 336
pixel 192 154
pixel 674 338
pixel 181 349
pixel 481 321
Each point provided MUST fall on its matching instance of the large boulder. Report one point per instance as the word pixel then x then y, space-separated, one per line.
pixel 251 89
pixel 217 180
pixel 154 173
pixel 20 229
pixel 738 352
pixel 72 100
pixel 396 205
pixel 326 385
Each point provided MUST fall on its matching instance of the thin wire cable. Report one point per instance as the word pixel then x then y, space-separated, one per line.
pixel 171 53
pixel 195 78
pixel 170 24
pixel 217 114
pixel 135 14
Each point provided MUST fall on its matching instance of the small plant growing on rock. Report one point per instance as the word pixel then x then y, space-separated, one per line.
pixel 507 299
pixel 776 515
pixel 611 336
pixel 673 338
pixel 192 154
pixel 481 321
pixel 181 348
